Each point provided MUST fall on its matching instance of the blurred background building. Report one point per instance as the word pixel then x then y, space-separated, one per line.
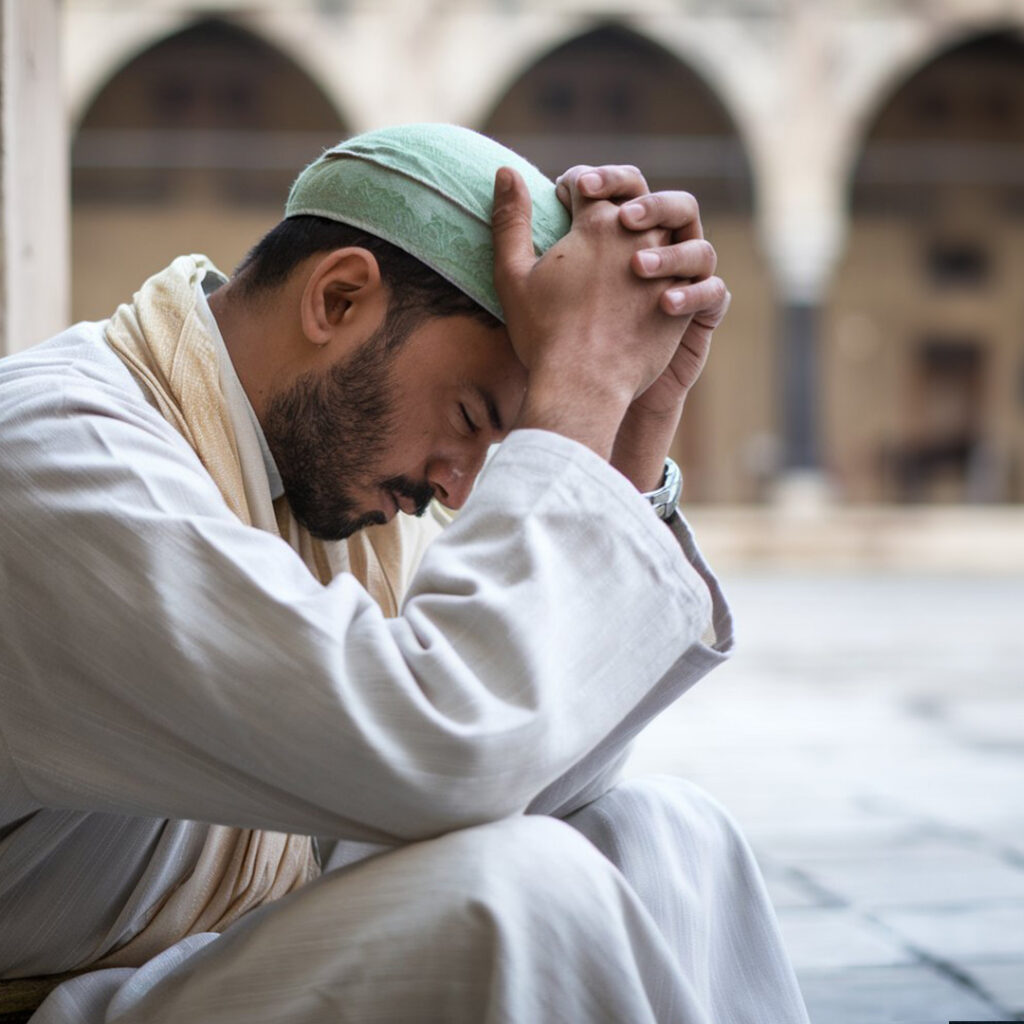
pixel 860 168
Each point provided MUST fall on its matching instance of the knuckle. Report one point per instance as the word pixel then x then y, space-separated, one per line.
pixel 708 256
pixel 627 180
pixel 717 292
pixel 655 205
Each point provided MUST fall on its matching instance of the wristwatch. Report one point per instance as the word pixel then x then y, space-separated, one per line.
pixel 665 499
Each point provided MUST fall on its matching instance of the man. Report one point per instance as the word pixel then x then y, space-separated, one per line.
pixel 222 634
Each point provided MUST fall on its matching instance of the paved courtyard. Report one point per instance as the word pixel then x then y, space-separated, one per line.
pixel 869 737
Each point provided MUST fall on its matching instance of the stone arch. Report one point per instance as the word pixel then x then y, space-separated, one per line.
pixel 190 146
pixel 611 95
pixel 910 53
pixel 587 96
pixel 923 376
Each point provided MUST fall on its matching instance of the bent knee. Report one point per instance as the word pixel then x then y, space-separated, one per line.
pixel 522 866
pixel 672 795
pixel 657 811
pixel 529 860
pixel 524 845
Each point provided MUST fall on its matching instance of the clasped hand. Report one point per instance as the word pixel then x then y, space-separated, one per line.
pixel 614 322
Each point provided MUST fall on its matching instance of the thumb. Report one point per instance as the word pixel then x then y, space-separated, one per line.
pixel 511 227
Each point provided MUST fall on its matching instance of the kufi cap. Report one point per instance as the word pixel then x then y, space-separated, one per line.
pixel 428 189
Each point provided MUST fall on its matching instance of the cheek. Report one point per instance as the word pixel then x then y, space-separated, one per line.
pixel 409 437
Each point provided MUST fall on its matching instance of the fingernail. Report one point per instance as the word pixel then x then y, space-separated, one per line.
pixel 591 182
pixel 634 211
pixel 676 297
pixel 503 181
pixel 650 261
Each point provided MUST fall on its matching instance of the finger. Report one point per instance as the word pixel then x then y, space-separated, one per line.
pixel 512 231
pixel 609 181
pixel 706 301
pixel 572 191
pixel 695 260
pixel 568 182
pixel 678 211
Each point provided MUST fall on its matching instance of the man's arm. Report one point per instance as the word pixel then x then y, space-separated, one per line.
pixel 591 334
pixel 159 658
pixel 685 262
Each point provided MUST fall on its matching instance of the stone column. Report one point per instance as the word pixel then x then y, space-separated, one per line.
pixel 800 384
pixel 34 195
pixel 803 222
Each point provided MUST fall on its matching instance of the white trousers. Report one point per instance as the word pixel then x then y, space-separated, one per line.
pixel 643 906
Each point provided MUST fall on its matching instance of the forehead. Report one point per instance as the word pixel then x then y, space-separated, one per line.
pixel 457 344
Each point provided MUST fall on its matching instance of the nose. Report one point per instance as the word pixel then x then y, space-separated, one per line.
pixel 452 477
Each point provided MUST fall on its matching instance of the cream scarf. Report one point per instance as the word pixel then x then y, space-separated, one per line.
pixel 163 340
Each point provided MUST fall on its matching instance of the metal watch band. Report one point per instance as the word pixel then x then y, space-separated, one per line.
pixel 665 499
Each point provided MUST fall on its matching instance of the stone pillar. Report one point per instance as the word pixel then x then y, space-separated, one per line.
pixel 800 385
pixel 803 221
pixel 34 194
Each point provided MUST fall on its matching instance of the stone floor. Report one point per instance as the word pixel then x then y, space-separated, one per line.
pixel 869 737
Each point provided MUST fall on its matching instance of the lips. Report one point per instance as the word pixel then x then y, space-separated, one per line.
pixel 391 506
pixel 406 495
pixel 401 503
pixel 405 503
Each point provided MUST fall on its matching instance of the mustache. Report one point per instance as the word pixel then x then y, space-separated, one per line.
pixel 419 491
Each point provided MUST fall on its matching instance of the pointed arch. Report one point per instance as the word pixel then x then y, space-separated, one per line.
pixel 955 118
pixel 190 146
pixel 611 95
pixel 210 98
pixel 922 358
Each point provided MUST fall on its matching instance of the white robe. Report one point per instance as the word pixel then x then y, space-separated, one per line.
pixel 164 666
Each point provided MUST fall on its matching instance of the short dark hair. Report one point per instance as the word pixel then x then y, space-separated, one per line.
pixel 416 292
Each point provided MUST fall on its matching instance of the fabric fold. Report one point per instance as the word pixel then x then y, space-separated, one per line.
pixel 165 343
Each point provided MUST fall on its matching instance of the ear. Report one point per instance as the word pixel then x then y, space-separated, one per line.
pixel 344 294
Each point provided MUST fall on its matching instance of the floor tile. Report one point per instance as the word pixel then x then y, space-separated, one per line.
pixel 970 935
pixel 828 937
pixel 789 893
pixel 915 994
pixel 935 874
pixel 1002 981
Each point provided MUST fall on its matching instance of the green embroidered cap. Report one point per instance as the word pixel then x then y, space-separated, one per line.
pixel 428 189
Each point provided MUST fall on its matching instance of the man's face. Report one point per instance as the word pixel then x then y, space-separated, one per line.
pixel 382 432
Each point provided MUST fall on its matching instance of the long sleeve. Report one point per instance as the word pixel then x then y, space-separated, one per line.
pixel 161 659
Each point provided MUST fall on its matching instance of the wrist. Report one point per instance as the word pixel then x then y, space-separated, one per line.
pixel 642 445
pixel 584 409
pixel 660 406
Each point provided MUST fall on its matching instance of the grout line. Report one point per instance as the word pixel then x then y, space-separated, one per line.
pixel 947 968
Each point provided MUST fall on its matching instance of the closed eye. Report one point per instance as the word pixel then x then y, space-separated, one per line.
pixel 473 428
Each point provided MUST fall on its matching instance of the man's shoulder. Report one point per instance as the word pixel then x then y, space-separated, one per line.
pixel 75 368
pixel 73 394
pixel 77 356
pixel 76 425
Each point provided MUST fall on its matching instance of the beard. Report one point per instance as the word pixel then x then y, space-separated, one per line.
pixel 328 432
